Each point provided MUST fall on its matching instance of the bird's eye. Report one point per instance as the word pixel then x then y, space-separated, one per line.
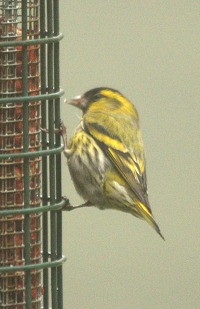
pixel 97 96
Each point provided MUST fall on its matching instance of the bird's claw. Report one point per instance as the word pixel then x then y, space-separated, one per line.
pixel 67 206
pixel 61 131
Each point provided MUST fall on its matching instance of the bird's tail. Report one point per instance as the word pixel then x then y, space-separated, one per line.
pixel 148 217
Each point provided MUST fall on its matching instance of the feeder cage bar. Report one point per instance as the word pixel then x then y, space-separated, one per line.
pixel 30 159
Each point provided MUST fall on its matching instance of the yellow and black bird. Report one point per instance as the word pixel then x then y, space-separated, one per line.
pixel 106 154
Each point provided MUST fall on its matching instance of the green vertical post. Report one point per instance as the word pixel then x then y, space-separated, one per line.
pixel 58 157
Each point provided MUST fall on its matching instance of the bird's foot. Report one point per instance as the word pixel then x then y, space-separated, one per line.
pixel 67 206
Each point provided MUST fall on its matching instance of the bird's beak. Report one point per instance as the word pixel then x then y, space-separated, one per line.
pixel 75 101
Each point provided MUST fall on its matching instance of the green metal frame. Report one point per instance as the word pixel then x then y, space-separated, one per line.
pixel 52 201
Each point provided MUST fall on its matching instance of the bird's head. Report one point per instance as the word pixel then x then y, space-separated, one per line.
pixel 104 99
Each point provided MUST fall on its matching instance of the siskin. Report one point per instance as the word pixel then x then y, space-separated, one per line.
pixel 106 155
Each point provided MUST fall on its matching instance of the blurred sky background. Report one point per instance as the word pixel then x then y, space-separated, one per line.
pixel 150 51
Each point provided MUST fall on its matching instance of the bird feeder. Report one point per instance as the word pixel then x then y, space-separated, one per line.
pixel 30 160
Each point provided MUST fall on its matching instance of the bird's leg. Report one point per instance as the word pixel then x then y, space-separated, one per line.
pixel 63 133
pixel 69 207
pixel 56 130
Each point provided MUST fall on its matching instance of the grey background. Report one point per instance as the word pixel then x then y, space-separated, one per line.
pixel 149 50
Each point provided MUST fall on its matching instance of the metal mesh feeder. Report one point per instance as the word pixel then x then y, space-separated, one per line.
pixel 30 196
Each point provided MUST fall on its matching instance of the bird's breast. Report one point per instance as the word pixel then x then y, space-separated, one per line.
pixel 87 164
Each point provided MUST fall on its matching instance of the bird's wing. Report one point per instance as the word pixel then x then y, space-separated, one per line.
pixel 129 165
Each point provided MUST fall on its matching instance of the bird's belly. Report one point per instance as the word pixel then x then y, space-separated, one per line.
pixel 87 172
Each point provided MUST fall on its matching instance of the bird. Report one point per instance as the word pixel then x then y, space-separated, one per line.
pixel 105 155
